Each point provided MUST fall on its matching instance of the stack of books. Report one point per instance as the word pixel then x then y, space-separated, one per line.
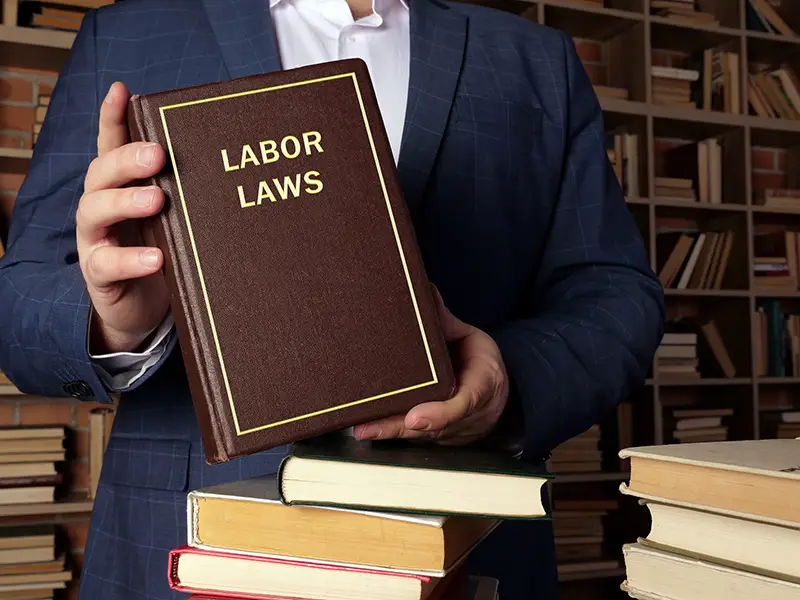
pixel 673 86
pixel 694 425
pixel 59 15
pixel 682 10
pixel 677 188
pixel 580 454
pixel 789 427
pixel 775 260
pixel 677 355
pixel 776 341
pixel 762 16
pixel 725 521
pixel 579 523
pixel 27 464
pixel 347 520
pixel 30 569
pixel 774 94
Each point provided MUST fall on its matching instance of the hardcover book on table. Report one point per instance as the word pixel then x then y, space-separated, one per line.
pixel 300 297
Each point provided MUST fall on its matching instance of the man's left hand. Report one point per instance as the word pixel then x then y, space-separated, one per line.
pixel 480 399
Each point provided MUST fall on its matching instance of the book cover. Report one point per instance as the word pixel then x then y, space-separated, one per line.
pixel 411 477
pixel 248 517
pixel 255 577
pixel 300 297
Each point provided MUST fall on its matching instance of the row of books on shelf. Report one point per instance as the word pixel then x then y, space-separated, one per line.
pixel 764 17
pixel 694 260
pixel 678 354
pixel 725 521
pixel 775 260
pixel 776 342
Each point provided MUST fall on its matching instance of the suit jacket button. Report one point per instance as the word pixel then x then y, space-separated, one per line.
pixel 79 390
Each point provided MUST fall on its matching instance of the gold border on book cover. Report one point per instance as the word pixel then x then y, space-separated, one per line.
pixel 434 377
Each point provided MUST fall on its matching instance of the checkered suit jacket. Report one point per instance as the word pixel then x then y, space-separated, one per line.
pixel 520 219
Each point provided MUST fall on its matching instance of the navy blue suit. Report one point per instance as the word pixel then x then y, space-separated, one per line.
pixel 521 221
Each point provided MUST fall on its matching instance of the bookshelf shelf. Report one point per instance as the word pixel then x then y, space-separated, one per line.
pixel 705 381
pixel 707 293
pixel 777 380
pixel 590 477
pixel 596 23
pixel 34 48
pixel 69 507
pixel 688 37
pixel 589 575
pixel 16 153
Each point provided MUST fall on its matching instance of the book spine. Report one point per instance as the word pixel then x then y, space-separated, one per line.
pixel 156 232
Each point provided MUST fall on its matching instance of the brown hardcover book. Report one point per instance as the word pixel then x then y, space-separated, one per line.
pixel 300 297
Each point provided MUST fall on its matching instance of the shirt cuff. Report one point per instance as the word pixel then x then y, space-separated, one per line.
pixel 119 370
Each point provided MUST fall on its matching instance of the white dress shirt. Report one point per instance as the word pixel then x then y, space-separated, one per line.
pixel 309 32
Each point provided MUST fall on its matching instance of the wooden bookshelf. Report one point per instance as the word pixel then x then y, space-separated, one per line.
pixel 630 36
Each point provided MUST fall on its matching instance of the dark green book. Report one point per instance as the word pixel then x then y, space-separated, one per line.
pixel 407 477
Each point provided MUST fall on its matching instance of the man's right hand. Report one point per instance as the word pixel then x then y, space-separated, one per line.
pixel 123 277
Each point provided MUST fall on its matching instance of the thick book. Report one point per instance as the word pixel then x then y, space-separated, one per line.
pixel 395 475
pixel 652 573
pixel 469 587
pixel 223 573
pixel 758 479
pixel 247 516
pixel 300 297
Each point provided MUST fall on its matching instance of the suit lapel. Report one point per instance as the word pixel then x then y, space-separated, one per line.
pixel 245 35
pixel 438 42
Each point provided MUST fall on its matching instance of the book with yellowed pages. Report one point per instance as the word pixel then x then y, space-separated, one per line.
pixel 653 574
pixel 752 479
pixel 248 517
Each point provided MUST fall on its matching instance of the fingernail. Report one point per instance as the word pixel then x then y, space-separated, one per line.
pixel 144 198
pixel 149 258
pixel 145 155
pixel 370 432
pixel 421 424
pixel 110 96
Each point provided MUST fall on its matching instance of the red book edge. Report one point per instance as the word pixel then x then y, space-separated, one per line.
pixel 175 584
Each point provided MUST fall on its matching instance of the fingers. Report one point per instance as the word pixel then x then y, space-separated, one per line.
pixel 453 328
pixel 120 166
pixel 113 119
pixel 107 265
pixel 100 210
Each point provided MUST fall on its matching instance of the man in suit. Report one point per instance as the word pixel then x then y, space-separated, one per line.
pixel 498 138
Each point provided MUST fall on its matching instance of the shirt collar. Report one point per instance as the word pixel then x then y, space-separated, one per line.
pixel 378 6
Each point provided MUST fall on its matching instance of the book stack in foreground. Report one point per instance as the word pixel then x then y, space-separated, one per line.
pixel 30 569
pixel 27 464
pixel 348 520
pixel 725 521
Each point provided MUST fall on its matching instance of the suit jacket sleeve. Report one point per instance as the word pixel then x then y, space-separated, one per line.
pixel 44 306
pixel 594 317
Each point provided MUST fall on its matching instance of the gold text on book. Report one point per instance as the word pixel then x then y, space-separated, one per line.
pixel 270 151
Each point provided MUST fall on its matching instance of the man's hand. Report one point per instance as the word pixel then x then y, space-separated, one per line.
pixel 479 401
pixel 122 276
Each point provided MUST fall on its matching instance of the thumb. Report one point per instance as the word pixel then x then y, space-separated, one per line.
pixel 452 327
